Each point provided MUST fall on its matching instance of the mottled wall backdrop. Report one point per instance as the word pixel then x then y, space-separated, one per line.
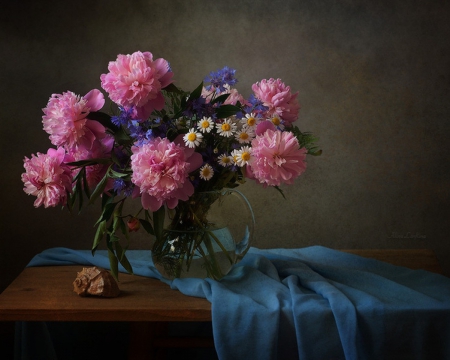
pixel 373 81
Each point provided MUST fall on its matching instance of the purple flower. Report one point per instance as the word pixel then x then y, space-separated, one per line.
pixel 121 185
pixel 218 79
pixel 124 117
pixel 255 105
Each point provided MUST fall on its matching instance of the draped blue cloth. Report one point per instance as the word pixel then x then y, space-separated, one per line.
pixel 310 303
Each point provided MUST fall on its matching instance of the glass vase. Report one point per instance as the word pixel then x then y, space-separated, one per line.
pixel 204 236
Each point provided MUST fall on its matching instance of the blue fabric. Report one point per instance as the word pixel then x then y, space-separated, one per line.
pixel 310 303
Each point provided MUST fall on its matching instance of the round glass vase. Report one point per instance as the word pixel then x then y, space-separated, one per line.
pixel 204 236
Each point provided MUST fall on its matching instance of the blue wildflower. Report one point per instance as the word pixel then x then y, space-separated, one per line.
pixel 256 105
pixel 121 185
pixel 124 117
pixel 218 79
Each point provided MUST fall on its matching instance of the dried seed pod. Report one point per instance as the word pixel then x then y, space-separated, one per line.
pixel 95 281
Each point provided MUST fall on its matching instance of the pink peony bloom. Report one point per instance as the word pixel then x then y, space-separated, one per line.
pixel 278 97
pixel 47 177
pixel 276 158
pixel 100 148
pixel 161 169
pixel 66 119
pixel 136 80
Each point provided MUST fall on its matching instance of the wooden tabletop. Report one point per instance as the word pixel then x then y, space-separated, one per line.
pixel 46 294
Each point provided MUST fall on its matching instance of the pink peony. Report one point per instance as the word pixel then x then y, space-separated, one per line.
pixel 136 80
pixel 161 169
pixel 47 177
pixel 100 148
pixel 278 98
pixel 276 158
pixel 66 119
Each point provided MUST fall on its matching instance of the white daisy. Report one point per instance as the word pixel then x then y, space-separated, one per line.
pixel 245 135
pixel 242 156
pixel 205 124
pixel 206 172
pixel 250 120
pixel 192 138
pixel 225 160
pixel 226 128
pixel 276 120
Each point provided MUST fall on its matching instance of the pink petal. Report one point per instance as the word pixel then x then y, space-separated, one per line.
pixel 145 111
pixel 150 202
pixel 172 203
pixel 95 100
pixel 195 161
pixel 263 126
pixel 136 192
pixel 58 154
pixel 163 73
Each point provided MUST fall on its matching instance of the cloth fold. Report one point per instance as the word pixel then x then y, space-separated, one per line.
pixel 309 303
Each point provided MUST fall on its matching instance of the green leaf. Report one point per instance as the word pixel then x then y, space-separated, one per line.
pixel 123 228
pixel 158 222
pixel 220 99
pixel 226 111
pixel 197 92
pixel 115 174
pixel 107 212
pixel 99 188
pixel 113 262
pixel 147 226
pixel 113 238
pixel 172 88
pixel 69 201
pixel 106 199
pixel 120 253
pixel 122 137
pixel 87 191
pixel 103 119
pixel 101 230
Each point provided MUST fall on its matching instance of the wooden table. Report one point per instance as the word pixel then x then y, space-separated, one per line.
pixel 46 294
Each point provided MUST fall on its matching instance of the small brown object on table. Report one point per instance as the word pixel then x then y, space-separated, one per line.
pixel 46 294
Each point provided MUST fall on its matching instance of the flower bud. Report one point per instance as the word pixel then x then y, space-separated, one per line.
pixel 133 224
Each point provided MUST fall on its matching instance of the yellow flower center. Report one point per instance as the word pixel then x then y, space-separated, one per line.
pixel 226 127
pixel 206 172
pixel 245 156
pixel 225 159
pixel 251 121
pixel 192 137
pixel 276 121
pixel 205 124
pixel 243 136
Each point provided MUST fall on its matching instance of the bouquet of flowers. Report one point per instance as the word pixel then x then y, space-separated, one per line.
pixel 164 146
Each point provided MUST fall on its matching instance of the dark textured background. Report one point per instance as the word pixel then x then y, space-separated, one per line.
pixel 373 78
